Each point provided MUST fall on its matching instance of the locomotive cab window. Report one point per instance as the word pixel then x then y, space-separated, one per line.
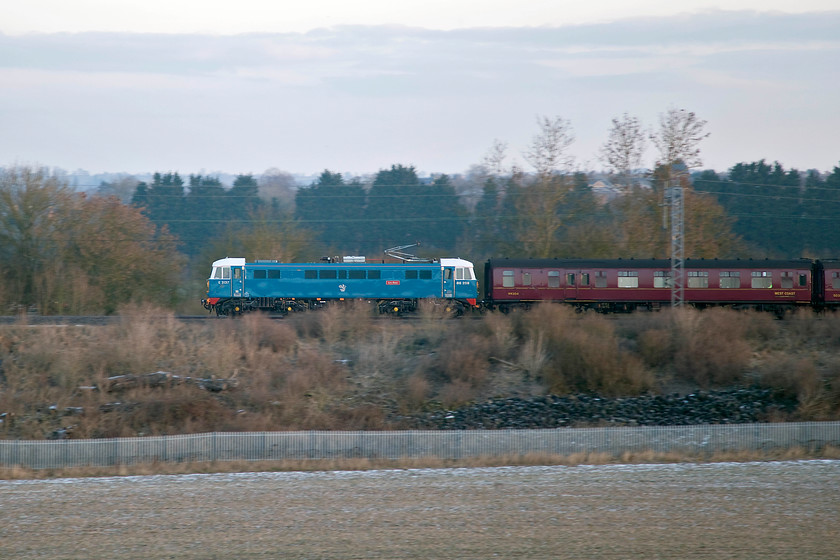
pixel 237 273
pixel 553 279
pixel 221 272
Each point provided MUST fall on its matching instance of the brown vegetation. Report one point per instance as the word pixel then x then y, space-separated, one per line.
pixel 343 369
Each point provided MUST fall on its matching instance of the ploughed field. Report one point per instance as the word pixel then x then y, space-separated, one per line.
pixel 718 510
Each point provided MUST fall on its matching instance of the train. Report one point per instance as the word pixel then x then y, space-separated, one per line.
pixel 603 285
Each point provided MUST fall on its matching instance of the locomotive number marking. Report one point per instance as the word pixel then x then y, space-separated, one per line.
pixel 392 282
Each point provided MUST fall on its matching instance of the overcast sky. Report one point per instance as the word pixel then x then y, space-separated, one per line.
pixel 240 87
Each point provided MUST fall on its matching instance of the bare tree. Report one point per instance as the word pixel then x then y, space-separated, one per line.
pixel 493 161
pixel 548 150
pixel 624 148
pixel 278 185
pixel 680 132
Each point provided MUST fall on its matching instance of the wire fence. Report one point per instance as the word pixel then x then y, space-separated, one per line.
pixel 451 445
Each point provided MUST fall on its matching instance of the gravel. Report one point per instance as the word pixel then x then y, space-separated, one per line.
pixel 738 406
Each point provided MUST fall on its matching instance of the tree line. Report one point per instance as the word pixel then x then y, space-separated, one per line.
pixel 71 253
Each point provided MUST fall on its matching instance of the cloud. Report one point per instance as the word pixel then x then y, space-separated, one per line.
pixel 354 97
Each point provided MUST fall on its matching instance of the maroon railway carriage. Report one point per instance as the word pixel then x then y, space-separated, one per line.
pixel 611 285
pixel 827 284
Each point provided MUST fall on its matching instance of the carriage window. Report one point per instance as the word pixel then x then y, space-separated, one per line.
pixel 584 278
pixel 601 279
pixel 570 279
pixel 835 280
pixel 730 279
pixel 411 275
pixel 762 279
pixel 698 279
pixel 310 274
pixel 662 279
pixel 425 275
pixel 273 274
pixel 803 280
pixel 507 278
pixel 259 274
pixel 553 279
pixel 374 274
pixel 356 275
pixel 628 279
pixel 526 278
pixel 327 274
pixel 787 280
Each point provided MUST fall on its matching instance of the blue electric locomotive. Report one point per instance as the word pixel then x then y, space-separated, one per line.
pixel 236 286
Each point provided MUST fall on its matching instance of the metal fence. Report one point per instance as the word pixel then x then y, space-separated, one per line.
pixel 314 445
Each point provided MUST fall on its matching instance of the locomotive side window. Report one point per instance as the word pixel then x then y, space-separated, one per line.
pixel 661 279
pixel 273 274
pixel 601 279
pixel 411 275
pixel 730 279
pixel 526 278
pixel 327 274
pixel 259 274
pixel 628 279
pixel 310 274
pixel 356 275
pixel 762 279
pixel 374 274
pixel 787 280
pixel 425 275
pixel 698 279
pixel 553 279
pixel 507 279
pixel 835 280
pixel 342 274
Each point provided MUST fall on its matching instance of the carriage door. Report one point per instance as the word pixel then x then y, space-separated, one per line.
pixel 448 281
pixel 237 281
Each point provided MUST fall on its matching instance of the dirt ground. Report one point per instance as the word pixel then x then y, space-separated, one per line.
pixel 718 510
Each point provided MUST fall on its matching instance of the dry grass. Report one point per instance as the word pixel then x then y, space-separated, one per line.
pixel 341 369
